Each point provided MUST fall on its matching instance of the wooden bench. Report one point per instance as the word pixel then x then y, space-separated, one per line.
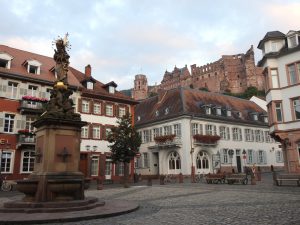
pixel 287 177
pixel 237 178
pixel 215 178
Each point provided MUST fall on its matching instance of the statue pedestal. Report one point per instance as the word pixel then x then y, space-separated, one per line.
pixel 56 175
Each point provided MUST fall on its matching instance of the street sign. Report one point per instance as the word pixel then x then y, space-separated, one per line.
pixel 138 155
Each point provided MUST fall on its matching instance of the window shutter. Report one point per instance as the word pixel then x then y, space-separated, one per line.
pixel 79 105
pixel 215 130
pixel 262 136
pixel 140 162
pixel 1 122
pixel 255 156
pixel 116 110
pixel 103 132
pixel 206 129
pixel 90 130
pixel 23 124
pixel 103 108
pixel 228 133
pixel 91 104
pixel 3 90
pixel 117 168
pixel 248 156
pixel 43 94
pixel 222 156
pixel 240 133
pixel 127 109
pixel 18 124
pixel 265 157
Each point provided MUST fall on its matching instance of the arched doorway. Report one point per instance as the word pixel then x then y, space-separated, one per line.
pixel 174 163
pixel 202 162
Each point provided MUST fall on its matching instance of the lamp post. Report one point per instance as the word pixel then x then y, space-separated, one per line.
pixel 192 168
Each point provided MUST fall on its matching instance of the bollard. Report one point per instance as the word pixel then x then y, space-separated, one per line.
pixel 180 178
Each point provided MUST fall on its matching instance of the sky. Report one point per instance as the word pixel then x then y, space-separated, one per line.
pixel 122 38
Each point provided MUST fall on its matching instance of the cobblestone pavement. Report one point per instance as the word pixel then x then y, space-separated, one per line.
pixel 201 204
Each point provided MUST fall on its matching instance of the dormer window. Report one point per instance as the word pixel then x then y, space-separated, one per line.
pixel 218 111
pixel 111 89
pixel 166 111
pixel 255 117
pixel 5 60
pixel 138 118
pixel 266 120
pixel 207 109
pixel 292 41
pixel 33 66
pixel 90 85
pixel 228 112
pixel 274 46
pixel 157 113
pixel 239 114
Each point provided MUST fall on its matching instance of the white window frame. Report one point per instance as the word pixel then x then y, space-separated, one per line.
pixel 94 165
pixel 6 169
pixel 85 132
pixel 12 90
pixel 109 110
pixel 145 160
pixel 9 123
pixel 30 158
pixel 90 85
pixel 122 111
pixel 177 129
pixel 96 132
pixel 85 106
pixel 111 89
pixel 97 108
pixel 236 134
pixel 274 78
pixel 195 128
pixel 278 109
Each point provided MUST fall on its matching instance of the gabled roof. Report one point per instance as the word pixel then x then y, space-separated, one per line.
pixel 271 35
pixel 99 90
pixel 191 102
pixel 20 71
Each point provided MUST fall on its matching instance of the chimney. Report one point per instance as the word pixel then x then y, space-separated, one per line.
pixel 88 70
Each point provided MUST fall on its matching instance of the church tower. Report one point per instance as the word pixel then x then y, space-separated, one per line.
pixel 140 90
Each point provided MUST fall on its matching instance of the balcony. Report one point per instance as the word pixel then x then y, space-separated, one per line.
pixel 25 140
pixel 31 107
pixel 165 142
pixel 206 140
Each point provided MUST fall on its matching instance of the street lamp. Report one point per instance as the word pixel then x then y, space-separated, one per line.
pixel 193 168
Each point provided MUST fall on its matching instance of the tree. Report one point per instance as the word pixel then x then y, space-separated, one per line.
pixel 125 142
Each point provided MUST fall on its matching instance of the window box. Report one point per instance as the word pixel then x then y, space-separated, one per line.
pixel 164 138
pixel 34 99
pixel 206 139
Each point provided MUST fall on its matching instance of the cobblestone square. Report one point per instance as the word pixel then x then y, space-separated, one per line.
pixel 200 203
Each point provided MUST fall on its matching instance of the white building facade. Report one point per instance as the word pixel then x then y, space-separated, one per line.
pixel 281 62
pixel 182 134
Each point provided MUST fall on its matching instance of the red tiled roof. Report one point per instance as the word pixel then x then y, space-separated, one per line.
pixel 186 101
pixel 20 56
pixel 99 88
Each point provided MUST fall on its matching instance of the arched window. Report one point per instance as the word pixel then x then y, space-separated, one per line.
pixel 174 161
pixel 202 160
pixel 27 161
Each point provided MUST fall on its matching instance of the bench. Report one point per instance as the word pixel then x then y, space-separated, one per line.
pixel 287 177
pixel 215 178
pixel 237 178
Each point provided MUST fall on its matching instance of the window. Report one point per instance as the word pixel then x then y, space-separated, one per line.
pixel 255 117
pixel 218 111
pixel 261 158
pixel 33 69
pixel 174 161
pixel 156 132
pixel 4 63
pixel 207 110
pixel 195 129
pixel 145 160
pixel 156 113
pixel 109 110
pixel 292 74
pixel 84 132
pixel 236 134
pixel 249 135
pixel 166 111
pixel 32 90
pixel 146 136
pixel 90 85
pixel 202 161
pixel 258 136
pixel 167 130
pixel 96 132
pixel 278 110
pixel 27 161
pixel 274 78
pixel 85 106
pixel 121 168
pixel 9 121
pixel 28 123
pixel 177 130
pixel 122 111
pixel 296 106
pixel 111 89
pixel 94 165
pixel 210 129
pixel 224 133
pixel 250 156
pixel 97 108
pixel 228 112
pixel 274 46
pixel 267 137
pixel 225 156
pixel 12 90
pixel 279 156
pixel 292 41
pixel 6 162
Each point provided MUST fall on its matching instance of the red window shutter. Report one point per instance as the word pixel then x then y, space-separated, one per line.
pixel 127 109
pixel 90 131
pixel 116 110
pixel 103 108
pixel 91 107
pixel 103 136
pixel 79 105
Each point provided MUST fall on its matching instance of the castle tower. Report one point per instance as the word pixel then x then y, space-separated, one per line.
pixel 140 90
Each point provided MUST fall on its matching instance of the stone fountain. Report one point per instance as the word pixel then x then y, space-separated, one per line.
pixel 56 184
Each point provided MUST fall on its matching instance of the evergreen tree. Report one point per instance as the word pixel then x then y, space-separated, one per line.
pixel 125 142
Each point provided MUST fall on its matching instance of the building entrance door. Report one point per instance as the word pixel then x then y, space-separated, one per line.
pixel 108 170
pixel 238 163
